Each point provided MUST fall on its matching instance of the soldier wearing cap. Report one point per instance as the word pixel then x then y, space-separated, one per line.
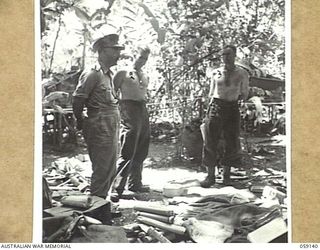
pixel 101 125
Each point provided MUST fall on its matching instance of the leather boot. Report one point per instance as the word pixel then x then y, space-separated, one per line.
pixel 116 196
pixel 210 179
pixel 226 175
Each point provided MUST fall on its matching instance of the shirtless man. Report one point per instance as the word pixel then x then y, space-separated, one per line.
pixel 135 132
pixel 230 83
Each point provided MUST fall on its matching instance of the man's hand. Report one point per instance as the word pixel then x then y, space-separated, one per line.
pixel 77 106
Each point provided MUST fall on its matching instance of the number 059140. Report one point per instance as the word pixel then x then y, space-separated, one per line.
pixel 305 246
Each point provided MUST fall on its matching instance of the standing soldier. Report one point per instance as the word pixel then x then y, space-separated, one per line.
pixel 135 131
pixel 95 91
pixel 229 84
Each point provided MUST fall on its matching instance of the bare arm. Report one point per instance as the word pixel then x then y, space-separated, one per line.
pixel 118 79
pixel 244 86
pixel 212 87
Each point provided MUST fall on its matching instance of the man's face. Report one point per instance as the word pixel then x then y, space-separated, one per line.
pixel 141 60
pixel 228 56
pixel 110 55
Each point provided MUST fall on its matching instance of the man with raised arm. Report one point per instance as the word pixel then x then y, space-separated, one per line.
pixel 135 130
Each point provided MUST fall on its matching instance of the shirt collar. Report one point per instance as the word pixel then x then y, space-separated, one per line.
pixel 104 69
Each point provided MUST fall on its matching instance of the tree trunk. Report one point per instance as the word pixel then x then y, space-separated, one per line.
pixel 83 62
pixel 54 45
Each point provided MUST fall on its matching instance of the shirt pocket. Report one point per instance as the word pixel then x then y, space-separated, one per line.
pixel 107 93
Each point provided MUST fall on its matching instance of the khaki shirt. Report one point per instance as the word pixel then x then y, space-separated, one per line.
pixel 97 88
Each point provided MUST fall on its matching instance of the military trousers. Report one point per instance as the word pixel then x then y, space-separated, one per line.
pixel 134 140
pixel 101 133
pixel 222 124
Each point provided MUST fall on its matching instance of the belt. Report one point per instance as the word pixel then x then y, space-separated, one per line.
pixel 224 102
pixel 133 101
pixel 95 111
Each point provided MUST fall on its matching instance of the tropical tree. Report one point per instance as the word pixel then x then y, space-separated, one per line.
pixel 184 35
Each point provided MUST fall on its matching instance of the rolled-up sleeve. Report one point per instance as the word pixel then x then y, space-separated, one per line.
pixel 86 84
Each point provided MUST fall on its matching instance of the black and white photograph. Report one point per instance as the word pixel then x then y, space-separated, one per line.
pixel 163 121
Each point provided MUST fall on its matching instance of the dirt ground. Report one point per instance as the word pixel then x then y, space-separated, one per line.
pixel 168 153
pixel 165 163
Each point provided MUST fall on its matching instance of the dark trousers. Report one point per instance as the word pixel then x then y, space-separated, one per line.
pixel 101 133
pixel 222 123
pixel 134 138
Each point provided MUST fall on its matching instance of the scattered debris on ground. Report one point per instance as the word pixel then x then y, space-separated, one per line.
pixel 253 208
